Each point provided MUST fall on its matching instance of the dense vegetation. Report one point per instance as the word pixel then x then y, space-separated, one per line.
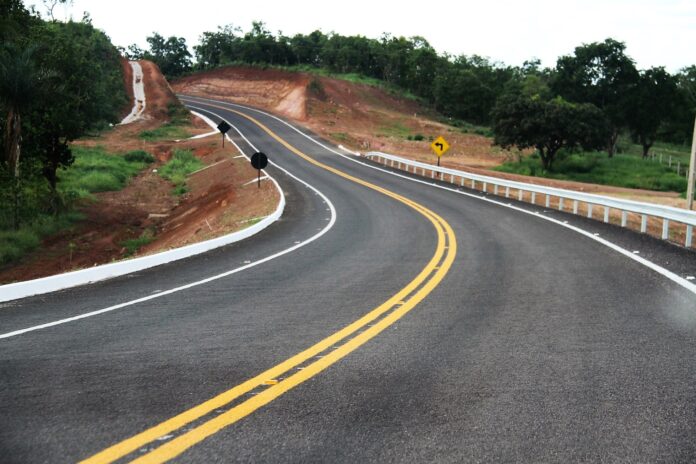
pixel 647 104
pixel 58 82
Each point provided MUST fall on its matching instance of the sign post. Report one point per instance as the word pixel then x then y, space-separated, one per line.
pixel 691 179
pixel 259 161
pixel 223 127
pixel 440 147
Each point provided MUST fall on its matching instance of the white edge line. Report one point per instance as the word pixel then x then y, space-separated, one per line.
pixel 649 264
pixel 270 219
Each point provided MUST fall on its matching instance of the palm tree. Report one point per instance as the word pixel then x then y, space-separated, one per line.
pixel 19 82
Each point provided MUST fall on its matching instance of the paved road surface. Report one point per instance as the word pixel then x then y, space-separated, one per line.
pixel 517 340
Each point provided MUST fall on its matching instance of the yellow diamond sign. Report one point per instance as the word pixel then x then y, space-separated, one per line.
pixel 439 146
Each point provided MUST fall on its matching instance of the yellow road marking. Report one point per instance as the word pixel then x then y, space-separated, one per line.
pixel 179 444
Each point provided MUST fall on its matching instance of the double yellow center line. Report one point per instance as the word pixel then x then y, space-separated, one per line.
pixel 299 368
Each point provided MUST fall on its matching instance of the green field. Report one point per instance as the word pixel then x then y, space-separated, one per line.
pixel 626 169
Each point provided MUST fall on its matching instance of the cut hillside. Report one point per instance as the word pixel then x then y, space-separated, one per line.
pixel 364 117
pixel 360 116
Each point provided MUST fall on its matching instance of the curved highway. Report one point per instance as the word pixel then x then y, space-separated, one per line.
pixel 418 325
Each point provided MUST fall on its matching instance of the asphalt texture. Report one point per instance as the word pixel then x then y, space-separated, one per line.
pixel 540 344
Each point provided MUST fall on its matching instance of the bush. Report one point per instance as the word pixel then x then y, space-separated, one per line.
pixel 418 137
pixel 139 156
pixel 182 164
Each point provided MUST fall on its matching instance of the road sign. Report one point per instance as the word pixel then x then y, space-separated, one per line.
pixel 440 146
pixel 224 127
pixel 259 161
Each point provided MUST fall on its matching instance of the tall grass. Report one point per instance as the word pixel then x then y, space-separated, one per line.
pixel 16 243
pixel 182 164
pixel 596 167
pixel 95 170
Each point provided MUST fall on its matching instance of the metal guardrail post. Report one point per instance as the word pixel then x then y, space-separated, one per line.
pixel 645 210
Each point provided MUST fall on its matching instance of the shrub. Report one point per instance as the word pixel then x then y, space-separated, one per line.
pixel 139 156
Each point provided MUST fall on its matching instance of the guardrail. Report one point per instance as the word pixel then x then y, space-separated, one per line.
pixel 666 214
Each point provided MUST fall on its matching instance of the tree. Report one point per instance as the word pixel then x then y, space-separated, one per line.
pixel 19 83
pixel 83 91
pixel 653 99
pixel 171 55
pixel 547 125
pixel 599 73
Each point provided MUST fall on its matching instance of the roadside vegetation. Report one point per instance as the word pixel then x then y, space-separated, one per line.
pixel 59 81
pixel 176 128
pixel 177 169
pixel 94 170
pixel 591 99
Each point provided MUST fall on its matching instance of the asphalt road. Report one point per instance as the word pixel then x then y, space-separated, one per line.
pixel 535 344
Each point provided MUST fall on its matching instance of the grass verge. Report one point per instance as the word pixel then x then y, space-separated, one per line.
pixel 16 243
pixel 96 170
pixel 623 170
pixel 182 164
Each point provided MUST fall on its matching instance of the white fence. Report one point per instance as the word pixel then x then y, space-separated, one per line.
pixel 665 214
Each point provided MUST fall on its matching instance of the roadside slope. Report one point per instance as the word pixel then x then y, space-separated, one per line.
pixel 367 118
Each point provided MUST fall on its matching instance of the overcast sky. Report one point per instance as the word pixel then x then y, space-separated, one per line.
pixel 656 32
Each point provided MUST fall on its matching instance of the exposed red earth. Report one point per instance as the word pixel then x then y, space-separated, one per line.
pixel 217 201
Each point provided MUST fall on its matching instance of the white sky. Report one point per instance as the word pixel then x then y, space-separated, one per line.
pixel 656 32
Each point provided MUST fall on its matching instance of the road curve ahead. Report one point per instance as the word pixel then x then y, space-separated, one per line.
pixel 410 324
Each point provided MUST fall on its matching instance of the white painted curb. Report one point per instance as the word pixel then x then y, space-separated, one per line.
pixel 107 271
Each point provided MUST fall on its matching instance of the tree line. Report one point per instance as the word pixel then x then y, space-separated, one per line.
pixel 597 89
pixel 58 82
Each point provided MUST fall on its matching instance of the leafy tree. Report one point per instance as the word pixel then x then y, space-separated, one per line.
pixel 74 101
pixel 19 84
pixel 171 55
pixel 547 125
pixel 653 99
pixel 599 73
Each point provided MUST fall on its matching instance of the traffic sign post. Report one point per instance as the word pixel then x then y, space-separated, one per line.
pixel 440 147
pixel 223 127
pixel 259 161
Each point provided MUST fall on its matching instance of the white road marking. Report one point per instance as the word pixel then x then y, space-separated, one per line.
pixel 320 233
pixel 649 264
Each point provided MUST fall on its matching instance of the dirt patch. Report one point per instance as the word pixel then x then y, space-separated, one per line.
pixel 359 116
pixel 158 93
pixel 219 200
pixel 279 91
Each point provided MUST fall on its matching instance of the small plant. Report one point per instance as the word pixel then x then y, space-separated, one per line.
pixel 139 156
pixel 182 164
pixel 133 245
pixel 418 137
pixel 316 88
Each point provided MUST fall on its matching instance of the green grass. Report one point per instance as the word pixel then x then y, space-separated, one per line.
pixel 182 164
pixel 623 170
pixel 134 244
pixel 174 129
pixel 340 136
pixel 96 170
pixel 16 243
pixel 166 131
